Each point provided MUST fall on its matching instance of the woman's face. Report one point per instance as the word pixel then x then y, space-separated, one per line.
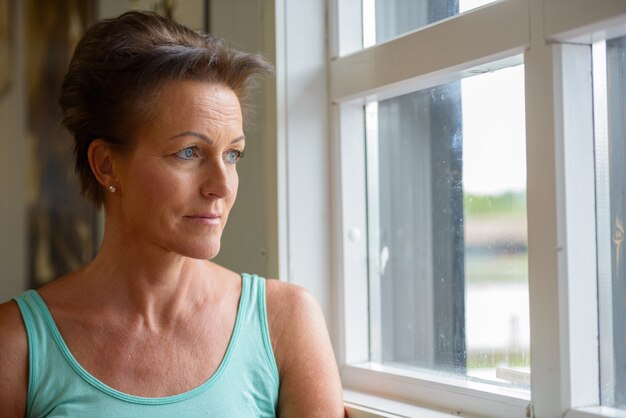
pixel 178 184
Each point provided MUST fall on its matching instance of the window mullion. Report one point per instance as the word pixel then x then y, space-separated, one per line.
pixel 543 245
pixel 449 49
pixel 577 227
pixel 353 233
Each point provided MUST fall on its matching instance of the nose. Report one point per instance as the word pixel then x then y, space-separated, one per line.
pixel 219 180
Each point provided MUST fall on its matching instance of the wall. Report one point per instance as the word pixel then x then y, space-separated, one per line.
pixel 13 165
pixel 188 12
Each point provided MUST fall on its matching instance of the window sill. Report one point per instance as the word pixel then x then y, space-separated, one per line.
pixel 595 412
pixel 379 385
pixel 361 405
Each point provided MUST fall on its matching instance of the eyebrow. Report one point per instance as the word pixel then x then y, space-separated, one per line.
pixel 204 137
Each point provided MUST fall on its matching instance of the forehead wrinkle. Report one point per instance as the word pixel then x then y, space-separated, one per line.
pixel 217 111
pixel 200 111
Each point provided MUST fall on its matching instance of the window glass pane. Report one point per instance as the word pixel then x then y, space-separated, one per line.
pixel 610 129
pixel 447 229
pixel 387 19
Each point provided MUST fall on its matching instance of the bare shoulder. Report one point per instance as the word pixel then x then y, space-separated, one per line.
pixel 12 331
pixel 13 361
pixel 310 384
pixel 291 311
pixel 285 298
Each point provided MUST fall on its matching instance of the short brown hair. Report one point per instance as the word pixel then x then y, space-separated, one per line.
pixel 120 64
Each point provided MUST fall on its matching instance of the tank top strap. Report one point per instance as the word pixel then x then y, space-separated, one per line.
pixel 39 339
pixel 256 322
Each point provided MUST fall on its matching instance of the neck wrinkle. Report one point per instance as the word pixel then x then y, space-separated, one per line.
pixel 154 287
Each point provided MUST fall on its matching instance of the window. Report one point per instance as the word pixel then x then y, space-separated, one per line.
pixel 446 211
pixel 460 274
pixel 386 19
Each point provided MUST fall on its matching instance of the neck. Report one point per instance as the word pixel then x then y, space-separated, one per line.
pixel 147 282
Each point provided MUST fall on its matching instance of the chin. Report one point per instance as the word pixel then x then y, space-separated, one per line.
pixel 205 251
pixel 209 255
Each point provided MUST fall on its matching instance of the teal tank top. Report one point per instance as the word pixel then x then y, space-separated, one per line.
pixel 244 385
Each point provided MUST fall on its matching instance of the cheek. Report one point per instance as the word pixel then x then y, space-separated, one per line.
pixel 165 184
pixel 152 185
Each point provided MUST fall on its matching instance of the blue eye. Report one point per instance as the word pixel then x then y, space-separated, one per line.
pixel 233 156
pixel 188 153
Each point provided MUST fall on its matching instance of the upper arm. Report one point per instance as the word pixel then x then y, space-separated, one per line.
pixel 13 362
pixel 310 384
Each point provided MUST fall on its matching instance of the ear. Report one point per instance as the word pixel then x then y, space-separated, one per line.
pixel 101 161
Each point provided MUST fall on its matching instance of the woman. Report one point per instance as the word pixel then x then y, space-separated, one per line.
pixel 150 327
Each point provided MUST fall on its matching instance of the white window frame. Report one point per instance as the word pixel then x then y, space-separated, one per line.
pixel 554 37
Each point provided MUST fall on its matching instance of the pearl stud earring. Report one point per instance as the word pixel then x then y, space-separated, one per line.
pixel 112 189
